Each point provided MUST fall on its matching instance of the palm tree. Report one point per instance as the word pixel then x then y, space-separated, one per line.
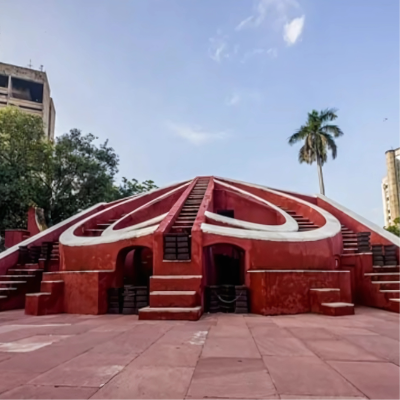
pixel 318 136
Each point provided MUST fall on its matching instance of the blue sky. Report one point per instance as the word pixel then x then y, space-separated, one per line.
pixel 185 88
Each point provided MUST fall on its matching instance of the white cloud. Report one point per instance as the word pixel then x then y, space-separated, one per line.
pixel 243 24
pixel 218 48
pixel 273 53
pixel 233 100
pixel 252 53
pixel 292 30
pixel 195 134
pixel 263 8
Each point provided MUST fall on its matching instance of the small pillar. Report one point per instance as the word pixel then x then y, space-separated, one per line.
pixel 15 236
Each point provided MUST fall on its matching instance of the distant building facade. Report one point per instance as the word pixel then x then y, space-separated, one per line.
pixel 391 187
pixel 29 90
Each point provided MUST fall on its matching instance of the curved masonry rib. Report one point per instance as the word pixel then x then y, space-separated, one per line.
pixel 110 230
pixel 290 224
pixel 331 228
pixel 68 238
pixel 370 225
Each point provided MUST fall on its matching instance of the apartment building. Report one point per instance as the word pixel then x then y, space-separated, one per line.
pixel 391 187
pixel 29 90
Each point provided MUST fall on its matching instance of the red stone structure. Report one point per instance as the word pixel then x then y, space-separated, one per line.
pixel 205 245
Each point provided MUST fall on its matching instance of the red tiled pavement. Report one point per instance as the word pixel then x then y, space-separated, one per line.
pixel 220 356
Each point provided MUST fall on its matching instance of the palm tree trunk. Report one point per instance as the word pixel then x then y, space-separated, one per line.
pixel 320 176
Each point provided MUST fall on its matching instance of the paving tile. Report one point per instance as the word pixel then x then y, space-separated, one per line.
pixel 307 376
pixel 270 331
pixel 10 379
pixel 376 380
pixel 340 350
pixel 272 346
pixel 311 333
pixel 223 331
pixel 345 330
pixel 300 397
pixel 230 347
pixel 231 378
pixel 184 335
pixel 30 343
pixel 389 330
pixel 48 392
pixel 380 346
pixel 148 383
pixel 87 370
pixel 171 355
pixel 132 342
pixel 43 359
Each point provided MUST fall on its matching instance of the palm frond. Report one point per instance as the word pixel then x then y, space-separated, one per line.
pixel 301 134
pixel 329 114
pixel 306 154
pixel 329 143
pixel 333 129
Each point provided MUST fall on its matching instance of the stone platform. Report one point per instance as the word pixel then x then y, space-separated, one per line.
pixel 303 356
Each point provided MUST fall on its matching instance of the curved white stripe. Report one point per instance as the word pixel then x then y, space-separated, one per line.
pixel 53 228
pixel 370 225
pixel 331 228
pixel 290 224
pixel 308 236
pixel 110 230
pixel 68 237
pixel 94 240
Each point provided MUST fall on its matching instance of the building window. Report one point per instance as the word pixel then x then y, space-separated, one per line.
pixel 27 90
pixel 4 81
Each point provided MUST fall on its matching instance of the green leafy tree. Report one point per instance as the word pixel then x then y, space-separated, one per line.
pixel 62 178
pixel 23 152
pixel 395 227
pixel 318 136
pixel 131 187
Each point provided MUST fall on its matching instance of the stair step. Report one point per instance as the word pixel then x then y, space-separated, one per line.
pixel 25 270
pixel 170 313
pixel 173 292
pixel 382 274
pixel 385 282
pixel 337 309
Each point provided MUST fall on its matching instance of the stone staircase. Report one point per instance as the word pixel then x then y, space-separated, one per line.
pixel 17 282
pixel 304 223
pixel 173 297
pixel 188 214
pixel 176 295
pixel 100 227
pixel 328 301
pixel 384 283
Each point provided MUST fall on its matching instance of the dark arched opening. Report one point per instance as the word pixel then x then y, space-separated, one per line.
pixel 225 279
pixel 134 268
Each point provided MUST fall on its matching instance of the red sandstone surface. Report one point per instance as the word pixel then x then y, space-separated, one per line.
pixel 68 356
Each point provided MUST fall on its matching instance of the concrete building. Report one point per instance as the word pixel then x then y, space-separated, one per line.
pixel 391 187
pixel 29 90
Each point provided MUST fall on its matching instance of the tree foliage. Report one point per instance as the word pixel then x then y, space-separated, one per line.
pixel 395 227
pixel 63 178
pixel 23 152
pixel 318 136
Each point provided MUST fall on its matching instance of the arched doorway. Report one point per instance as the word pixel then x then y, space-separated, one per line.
pixel 225 279
pixel 134 269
